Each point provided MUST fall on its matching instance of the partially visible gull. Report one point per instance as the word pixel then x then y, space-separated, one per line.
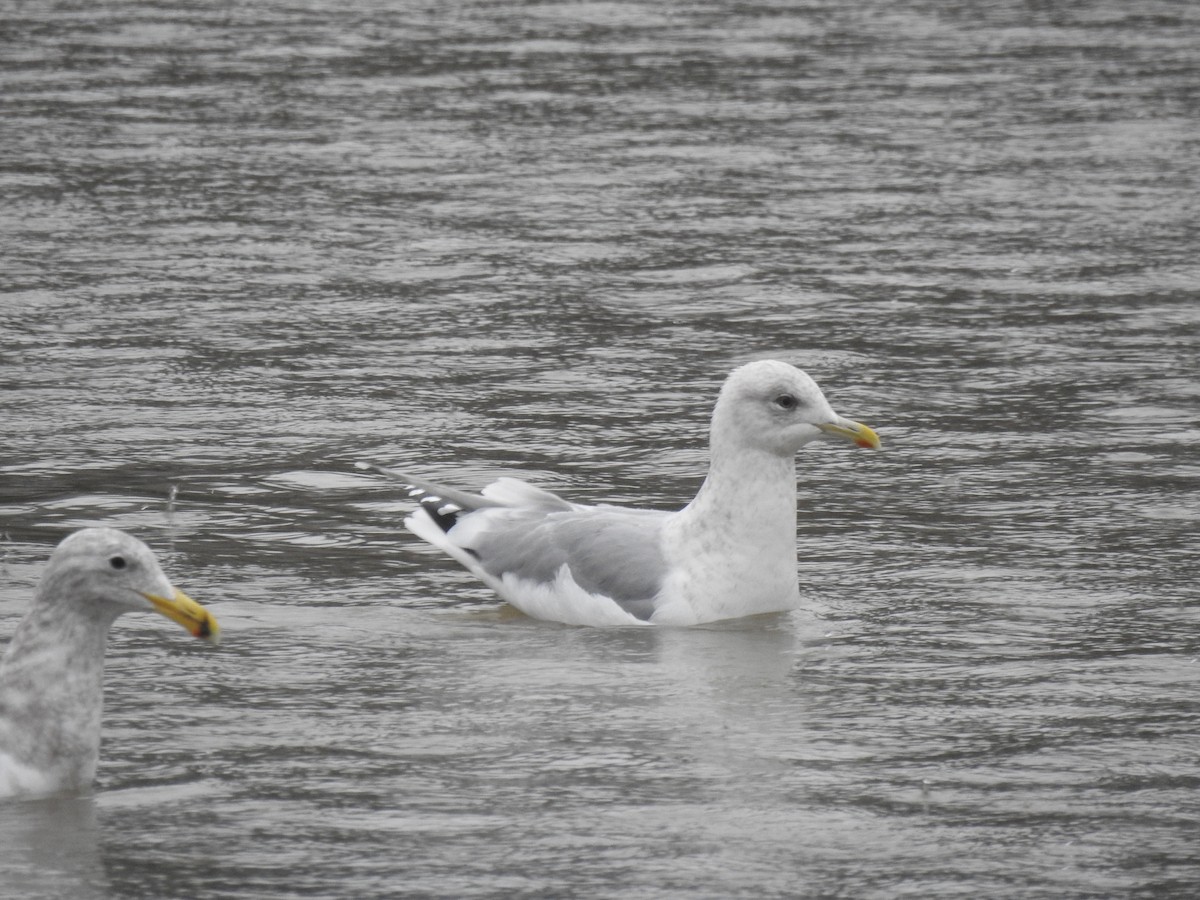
pixel 52 674
pixel 731 552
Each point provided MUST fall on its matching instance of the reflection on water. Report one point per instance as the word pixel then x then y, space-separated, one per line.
pixel 50 848
pixel 248 247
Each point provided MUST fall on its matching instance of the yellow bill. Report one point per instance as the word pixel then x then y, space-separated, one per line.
pixel 856 432
pixel 187 612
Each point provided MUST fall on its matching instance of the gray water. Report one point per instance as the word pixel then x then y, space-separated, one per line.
pixel 247 245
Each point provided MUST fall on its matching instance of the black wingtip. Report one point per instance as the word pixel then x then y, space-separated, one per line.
pixel 443 513
pixel 443 504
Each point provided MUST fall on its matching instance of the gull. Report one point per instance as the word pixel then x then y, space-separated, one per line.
pixel 51 675
pixel 731 552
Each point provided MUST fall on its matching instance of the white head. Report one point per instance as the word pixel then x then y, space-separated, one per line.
pixel 774 407
pixel 106 572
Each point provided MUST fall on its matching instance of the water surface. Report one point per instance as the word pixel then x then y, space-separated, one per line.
pixel 245 247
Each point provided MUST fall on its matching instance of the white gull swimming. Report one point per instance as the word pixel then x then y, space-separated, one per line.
pixel 731 552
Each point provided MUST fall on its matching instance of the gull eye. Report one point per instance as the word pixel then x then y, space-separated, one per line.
pixel 785 401
pixel 117 562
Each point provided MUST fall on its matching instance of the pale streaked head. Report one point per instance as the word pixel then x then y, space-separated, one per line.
pixel 119 573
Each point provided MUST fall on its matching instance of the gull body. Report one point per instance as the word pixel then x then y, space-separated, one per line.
pixel 52 672
pixel 731 552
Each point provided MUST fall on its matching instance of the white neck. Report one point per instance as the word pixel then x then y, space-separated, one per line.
pixel 758 502
pixel 735 543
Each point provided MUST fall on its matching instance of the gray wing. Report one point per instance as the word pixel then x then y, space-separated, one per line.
pixel 610 551
pixel 514 528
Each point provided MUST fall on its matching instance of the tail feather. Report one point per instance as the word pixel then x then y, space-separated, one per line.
pixel 515 492
pixel 445 505
pixel 419 487
pixel 504 491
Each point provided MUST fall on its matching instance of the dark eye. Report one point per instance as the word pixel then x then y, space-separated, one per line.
pixel 786 401
pixel 117 562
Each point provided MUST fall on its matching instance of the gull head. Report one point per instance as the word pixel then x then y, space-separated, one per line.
pixel 774 407
pixel 106 572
